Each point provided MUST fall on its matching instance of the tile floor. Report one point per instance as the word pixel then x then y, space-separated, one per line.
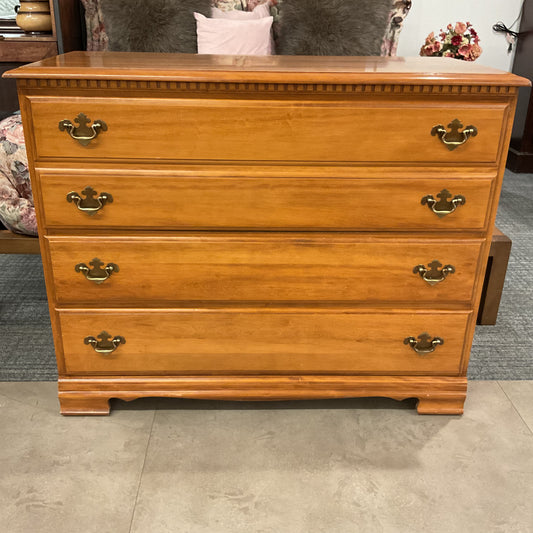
pixel 342 466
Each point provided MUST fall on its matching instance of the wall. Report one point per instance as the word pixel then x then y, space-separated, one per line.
pixel 432 15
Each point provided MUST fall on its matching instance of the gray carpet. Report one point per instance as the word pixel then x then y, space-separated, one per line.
pixel 503 352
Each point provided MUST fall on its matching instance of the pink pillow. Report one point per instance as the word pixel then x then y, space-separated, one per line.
pixel 234 37
pixel 259 12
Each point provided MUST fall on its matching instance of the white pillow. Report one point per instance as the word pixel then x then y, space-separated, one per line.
pixel 234 37
pixel 259 12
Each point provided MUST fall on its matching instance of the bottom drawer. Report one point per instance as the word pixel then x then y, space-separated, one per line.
pixel 262 341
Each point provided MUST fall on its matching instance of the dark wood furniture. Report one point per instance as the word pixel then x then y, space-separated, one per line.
pixel 18 48
pixel 264 228
pixel 520 157
pixel 12 243
pixel 66 35
pixel 500 249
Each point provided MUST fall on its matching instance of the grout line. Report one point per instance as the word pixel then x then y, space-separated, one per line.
pixel 142 472
pixel 514 407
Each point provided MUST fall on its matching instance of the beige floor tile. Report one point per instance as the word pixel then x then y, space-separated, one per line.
pixel 43 395
pixel 521 394
pixel 65 474
pixel 360 466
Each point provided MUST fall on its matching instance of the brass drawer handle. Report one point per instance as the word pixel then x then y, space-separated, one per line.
pixel 424 345
pixel 443 207
pixel 97 274
pixel 106 345
pixel 83 133
pixel 89 204
pixel 432 274
pixel 452 139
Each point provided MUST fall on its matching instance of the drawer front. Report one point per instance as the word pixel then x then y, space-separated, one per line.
pixel 261 268
pixel 173 201
pixel 262 341
pixel 382 130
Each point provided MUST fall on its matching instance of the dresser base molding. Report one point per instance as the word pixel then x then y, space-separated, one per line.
pixel 436 395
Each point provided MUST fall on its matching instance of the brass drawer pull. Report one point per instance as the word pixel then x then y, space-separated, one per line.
pixel 432 274
pixel 452 139
pixel 106 345
pixel 443 207
pixel 83 133
pixel 97 274
pixel 89 204
pixel 424 345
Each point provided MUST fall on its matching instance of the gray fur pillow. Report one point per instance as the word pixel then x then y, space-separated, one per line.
pixel 153 25
pixel 333 27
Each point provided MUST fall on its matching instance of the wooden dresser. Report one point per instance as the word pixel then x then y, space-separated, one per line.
pixel 264 228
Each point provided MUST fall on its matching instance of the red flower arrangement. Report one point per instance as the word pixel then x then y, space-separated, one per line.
pixel 460 41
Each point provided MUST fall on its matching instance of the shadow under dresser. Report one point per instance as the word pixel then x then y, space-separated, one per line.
pixel 251 228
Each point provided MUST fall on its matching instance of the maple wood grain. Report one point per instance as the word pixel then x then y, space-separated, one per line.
pixel 286 69
pixel 262 267
pixel 266 219
pixel 208 129
pixel 91 395
pixel 316 340
pixel 180 200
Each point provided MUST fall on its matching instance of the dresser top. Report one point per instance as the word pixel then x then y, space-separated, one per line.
pixel 268 69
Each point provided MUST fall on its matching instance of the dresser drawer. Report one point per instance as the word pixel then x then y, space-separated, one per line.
pixel 174 201
pixel 261 341
pixel 236 129
pixel 260 267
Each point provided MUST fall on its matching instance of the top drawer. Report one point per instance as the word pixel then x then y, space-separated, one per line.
pixel 344 131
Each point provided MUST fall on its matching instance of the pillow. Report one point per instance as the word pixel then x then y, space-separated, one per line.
pixel 234 37
pixel 17 212
pixel 259 12
pixel 152 25
pixel 274 6
pixel 97 39
pixel 229 5
pixel 400 10
pixel 333 27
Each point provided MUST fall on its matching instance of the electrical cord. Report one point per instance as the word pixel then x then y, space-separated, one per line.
pixel 510 35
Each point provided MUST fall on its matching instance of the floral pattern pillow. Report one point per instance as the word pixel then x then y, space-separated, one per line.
pixel 399 11
pixel 97 39
pixel 16 200
pixel 230 5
